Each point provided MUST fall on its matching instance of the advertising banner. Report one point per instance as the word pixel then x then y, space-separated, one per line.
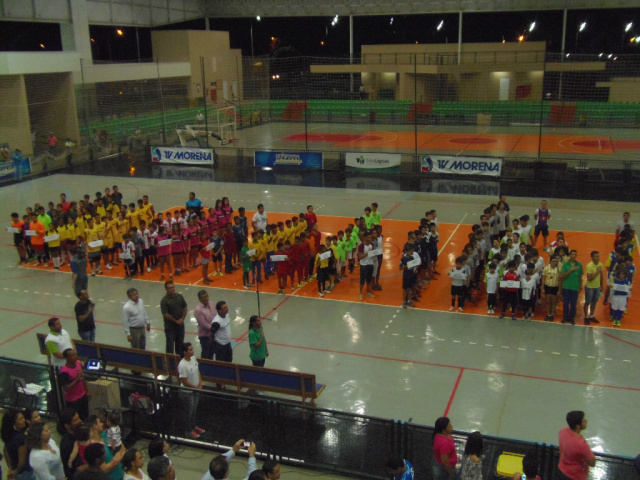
pixel 377 162
pixel 308 160
pixel 15 168
pixel 184 155
pixel 461 165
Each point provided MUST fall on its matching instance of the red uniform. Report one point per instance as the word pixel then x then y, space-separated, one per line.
pixel 305 254
pixel 230 247
pixel 293 254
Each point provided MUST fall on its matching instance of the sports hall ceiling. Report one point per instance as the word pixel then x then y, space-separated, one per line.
pixel 161 12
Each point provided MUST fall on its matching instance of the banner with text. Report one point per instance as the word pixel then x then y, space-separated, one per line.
pixel 376 162
pixel 15 168
pixel 307 160
pixel 462 165
pixel 190 156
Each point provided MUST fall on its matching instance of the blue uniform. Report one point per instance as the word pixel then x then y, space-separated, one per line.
pixel 408 474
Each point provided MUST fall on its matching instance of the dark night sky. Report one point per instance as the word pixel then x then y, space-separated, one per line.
pixel 314 36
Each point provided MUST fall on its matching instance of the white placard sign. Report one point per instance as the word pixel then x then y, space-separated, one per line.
pixel 31 233
pixel 414 263
pixel 96 244
pixel 509 284
pixel 621 288
pixel 325 255
pixel 211 246
pixel 278 258
pixel 164 243
pixel 51 238
pixel 13 230
pixel 251 252
pixel 374 253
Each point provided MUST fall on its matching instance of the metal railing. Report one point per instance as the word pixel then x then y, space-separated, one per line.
pixel 342 443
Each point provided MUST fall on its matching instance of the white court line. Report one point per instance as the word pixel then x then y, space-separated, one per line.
pixel 452 233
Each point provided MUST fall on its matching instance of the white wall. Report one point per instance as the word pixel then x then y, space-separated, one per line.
pixel 133 71
pixel 16 63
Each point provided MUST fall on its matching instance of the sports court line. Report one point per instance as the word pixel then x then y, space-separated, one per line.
pixel 453 233
pixel 393 209
pixel 621 340
pixel 43 274
pixel 17 335
pixel 453 393
pixel 456 367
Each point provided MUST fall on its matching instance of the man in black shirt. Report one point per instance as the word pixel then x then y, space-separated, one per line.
pixel 174 310
pixel 68 421
pixel 84 316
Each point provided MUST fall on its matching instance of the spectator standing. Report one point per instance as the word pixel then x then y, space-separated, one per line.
pixel 271 470
pixel 219 466
pixel 13 435
pixel 257 342
pixel 79 277
pixel 116 196
pixel 541 216
pixel 174 310
pixel 74 386
pixel 221 331
pixel 204 313
pixel 132 462
pixel 161 468
pixel 472 460
pixel 189 375
pixel 575 455
pixel 95 455
pixel 529 469
pixel 593 287
pixel 52 140
pixel 57 342
pixel 84 316
pixel 194 203
pixel 310 217
pixel 399 468
pixel 135 320
pixel 45 454
pixel 571 276
pixel 444 450
pixel 259 221
pixel 111 465
pixel 68 422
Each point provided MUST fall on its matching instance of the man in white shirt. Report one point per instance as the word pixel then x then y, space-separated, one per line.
pixel 219 466
pixel 57 342
pixel 366 265
pixel 259 221
pixel 189 375
pixel 221 331
pixel 135 320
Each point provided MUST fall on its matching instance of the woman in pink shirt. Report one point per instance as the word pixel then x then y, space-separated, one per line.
pixel 177 248
pixel 228 211
pixel 186 245
pixel 194 242
pixel 220 216
pixel 164 252
pixel 575 455
pixel 444 450
pixel 212 221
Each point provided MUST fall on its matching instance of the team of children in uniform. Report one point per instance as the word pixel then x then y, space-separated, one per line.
pixel 501 253
pixel 515 274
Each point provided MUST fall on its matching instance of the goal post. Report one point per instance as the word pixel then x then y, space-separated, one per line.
pixel 221 126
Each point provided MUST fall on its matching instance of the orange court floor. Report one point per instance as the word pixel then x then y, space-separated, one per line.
pixel 489 142
pixel 435 296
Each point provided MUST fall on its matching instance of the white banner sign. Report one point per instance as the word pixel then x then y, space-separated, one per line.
pixel 278 258
pixel 373 161
pixel 52 238
pixel 462 165
pixel 190 156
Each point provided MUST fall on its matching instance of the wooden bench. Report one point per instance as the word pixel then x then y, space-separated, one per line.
pixel 243 378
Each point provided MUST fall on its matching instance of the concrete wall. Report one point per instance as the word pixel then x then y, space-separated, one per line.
pixel 14 120
pixel 52 106
pixel 622 89
pixel 221 63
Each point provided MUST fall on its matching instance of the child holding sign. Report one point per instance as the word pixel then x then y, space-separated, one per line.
pixel 459 281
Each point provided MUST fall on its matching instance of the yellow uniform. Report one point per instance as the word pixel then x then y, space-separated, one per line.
pixel 321 263
pixel 110 233
pixel 71 232
pixel 122 227
pixel 81 223
pixel 53 243
pixel 289 234
pixel 149 211
pixel 101 211
pixel 64 233
pixel 133 218
pixel 91 235
pixel 281 236
pixel 260 250
pixel 302 226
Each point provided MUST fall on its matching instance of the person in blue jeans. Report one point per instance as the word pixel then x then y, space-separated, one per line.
pixel 571 277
